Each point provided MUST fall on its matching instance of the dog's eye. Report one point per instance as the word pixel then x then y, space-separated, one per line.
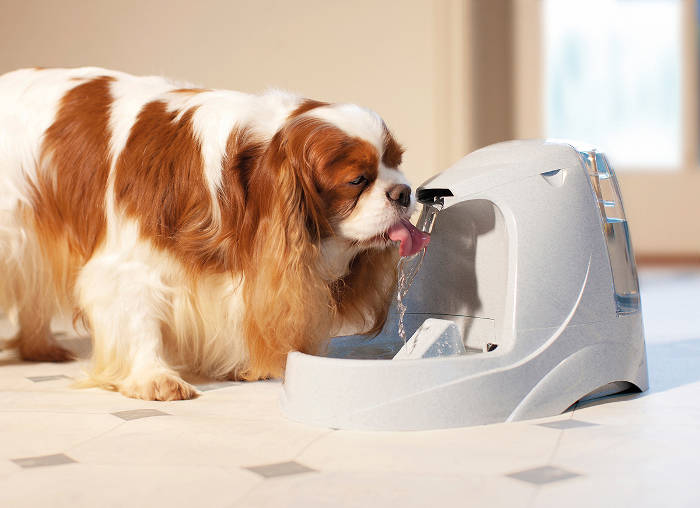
pixel 358 181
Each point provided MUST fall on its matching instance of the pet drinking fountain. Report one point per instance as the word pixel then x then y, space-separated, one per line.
pixel 530 265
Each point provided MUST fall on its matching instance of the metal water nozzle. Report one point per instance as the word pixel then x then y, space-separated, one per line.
pixel 432 201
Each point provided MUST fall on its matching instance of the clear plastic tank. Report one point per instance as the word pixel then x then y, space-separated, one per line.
pixel 614 222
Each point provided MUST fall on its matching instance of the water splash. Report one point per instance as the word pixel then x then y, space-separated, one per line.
pixel 407 275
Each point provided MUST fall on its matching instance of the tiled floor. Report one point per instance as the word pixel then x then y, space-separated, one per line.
pixel 231 447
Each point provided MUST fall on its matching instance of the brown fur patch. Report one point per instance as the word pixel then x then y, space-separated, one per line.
pixel 159 181
pixel 306 105
pixel 354 157
pixel 192 91
pixel 393 151
pixel 68 200
pixel 243 153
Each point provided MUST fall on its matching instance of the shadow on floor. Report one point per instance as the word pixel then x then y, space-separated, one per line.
pixel 670 365
pixel 673 364
pixel 81 347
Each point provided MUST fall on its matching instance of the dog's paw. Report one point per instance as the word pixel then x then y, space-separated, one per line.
pixel 158 386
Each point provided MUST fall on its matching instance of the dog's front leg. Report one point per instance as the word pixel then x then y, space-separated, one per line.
pixel 126 304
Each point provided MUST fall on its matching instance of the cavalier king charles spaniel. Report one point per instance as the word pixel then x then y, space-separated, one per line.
pixel 193 230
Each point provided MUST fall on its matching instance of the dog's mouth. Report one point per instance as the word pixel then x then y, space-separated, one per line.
pixel 410 239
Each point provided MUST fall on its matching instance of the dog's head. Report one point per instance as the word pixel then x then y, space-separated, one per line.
pixel 336 171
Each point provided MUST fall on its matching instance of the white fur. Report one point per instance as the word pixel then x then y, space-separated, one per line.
pixel 354 120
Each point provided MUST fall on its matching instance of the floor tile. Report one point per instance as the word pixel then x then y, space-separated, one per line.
pixel 65 399
pixel 382 490
pixel 205 387
pixel 566 424
pixel 191 441
pixel 135 414
pixel 279 469
pixel 39 379
pixel 33 434
pixel 648 450
pixel 488 449
pixel 676 406
pixel 78 485
pixel 258 401
pixel 44 460
pixel 543 475
pixel 625 489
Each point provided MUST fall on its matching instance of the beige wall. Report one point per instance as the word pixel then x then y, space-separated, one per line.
pixel 448 76
pixel 402 58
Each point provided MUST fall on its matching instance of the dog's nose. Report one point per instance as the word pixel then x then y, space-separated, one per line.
pixel 400 194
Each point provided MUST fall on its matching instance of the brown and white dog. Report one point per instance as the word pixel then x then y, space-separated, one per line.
pixel 193 230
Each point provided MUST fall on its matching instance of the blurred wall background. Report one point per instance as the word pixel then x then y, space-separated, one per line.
pixel 448 76
pixel 391 56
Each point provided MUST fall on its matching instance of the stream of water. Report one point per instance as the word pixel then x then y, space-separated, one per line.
pixel 408 269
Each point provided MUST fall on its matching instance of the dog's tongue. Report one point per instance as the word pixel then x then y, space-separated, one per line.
pixel 412 239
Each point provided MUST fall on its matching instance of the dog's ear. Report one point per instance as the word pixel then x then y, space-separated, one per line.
pixel 364 295
pixel 288 304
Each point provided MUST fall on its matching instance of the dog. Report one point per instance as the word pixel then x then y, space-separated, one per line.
pixel 193 230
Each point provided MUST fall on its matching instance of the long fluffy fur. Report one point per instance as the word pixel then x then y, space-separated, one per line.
pixel 190 229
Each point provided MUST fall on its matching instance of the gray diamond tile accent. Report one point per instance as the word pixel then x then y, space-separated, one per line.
pixel 39 379
pixel 216 386
pixel 44 460
pixel 280 469
pixel 567 424
pixel 135 414
pixel 543 475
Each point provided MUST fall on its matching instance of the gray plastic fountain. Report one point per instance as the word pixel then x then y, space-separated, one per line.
pixel 530 267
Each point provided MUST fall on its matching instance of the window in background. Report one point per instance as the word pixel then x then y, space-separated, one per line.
pixel 613 78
